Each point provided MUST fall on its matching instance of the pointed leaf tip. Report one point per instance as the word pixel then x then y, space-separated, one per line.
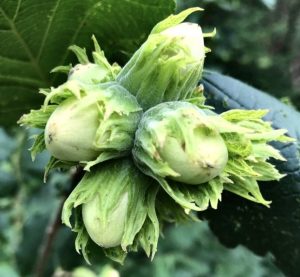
pixel 80 54
pixel 174 20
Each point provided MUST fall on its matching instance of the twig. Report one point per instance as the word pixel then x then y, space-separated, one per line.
pixel 49 237
pixel 52 230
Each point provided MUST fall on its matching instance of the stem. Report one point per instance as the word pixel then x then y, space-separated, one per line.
pixel 52 230
pixel 49 237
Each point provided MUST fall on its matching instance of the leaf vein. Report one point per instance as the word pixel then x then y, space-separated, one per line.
pixel 25 46
pixel 146 5
pixel 47 30
pixel 17 10
pixel 73 38
pixel 23 80
pixel 9 59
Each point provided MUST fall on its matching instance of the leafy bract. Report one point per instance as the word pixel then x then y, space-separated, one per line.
pixel 245 134
pixel 109 183
pixel 170 62
pixel 103 116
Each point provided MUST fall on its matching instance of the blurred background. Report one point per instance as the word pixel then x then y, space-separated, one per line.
pixel 257 42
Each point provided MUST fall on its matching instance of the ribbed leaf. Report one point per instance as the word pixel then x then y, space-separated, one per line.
pixel 35 36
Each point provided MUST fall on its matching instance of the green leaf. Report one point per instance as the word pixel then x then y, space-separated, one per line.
pixel 265 151
pixel 55 163
pixel 237 115
pixel 240 168
pixel 174 20
pixel 178 196
pixel 190 197
pixel 149 234
pixel 267 171
pixel 36 36
pixel 271 135
pixel 247 188
pixel 116 254
pixel 38 145
pixel 81 242
pixel 37 118
pixel 172 212
pixel 80 54
pixel 237 144
pixel 62 69
pixel 115 179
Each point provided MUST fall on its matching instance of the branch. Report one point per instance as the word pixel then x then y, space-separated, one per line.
pixel 49 238
pixel 53 228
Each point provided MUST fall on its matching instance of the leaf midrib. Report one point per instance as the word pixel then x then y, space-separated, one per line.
pixel 31 57
pixel 47 31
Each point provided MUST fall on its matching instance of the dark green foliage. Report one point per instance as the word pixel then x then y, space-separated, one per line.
pixel 277 229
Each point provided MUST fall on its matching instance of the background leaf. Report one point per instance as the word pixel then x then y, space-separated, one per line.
pixel 35 36
pixel 198 254
pixel 276 229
